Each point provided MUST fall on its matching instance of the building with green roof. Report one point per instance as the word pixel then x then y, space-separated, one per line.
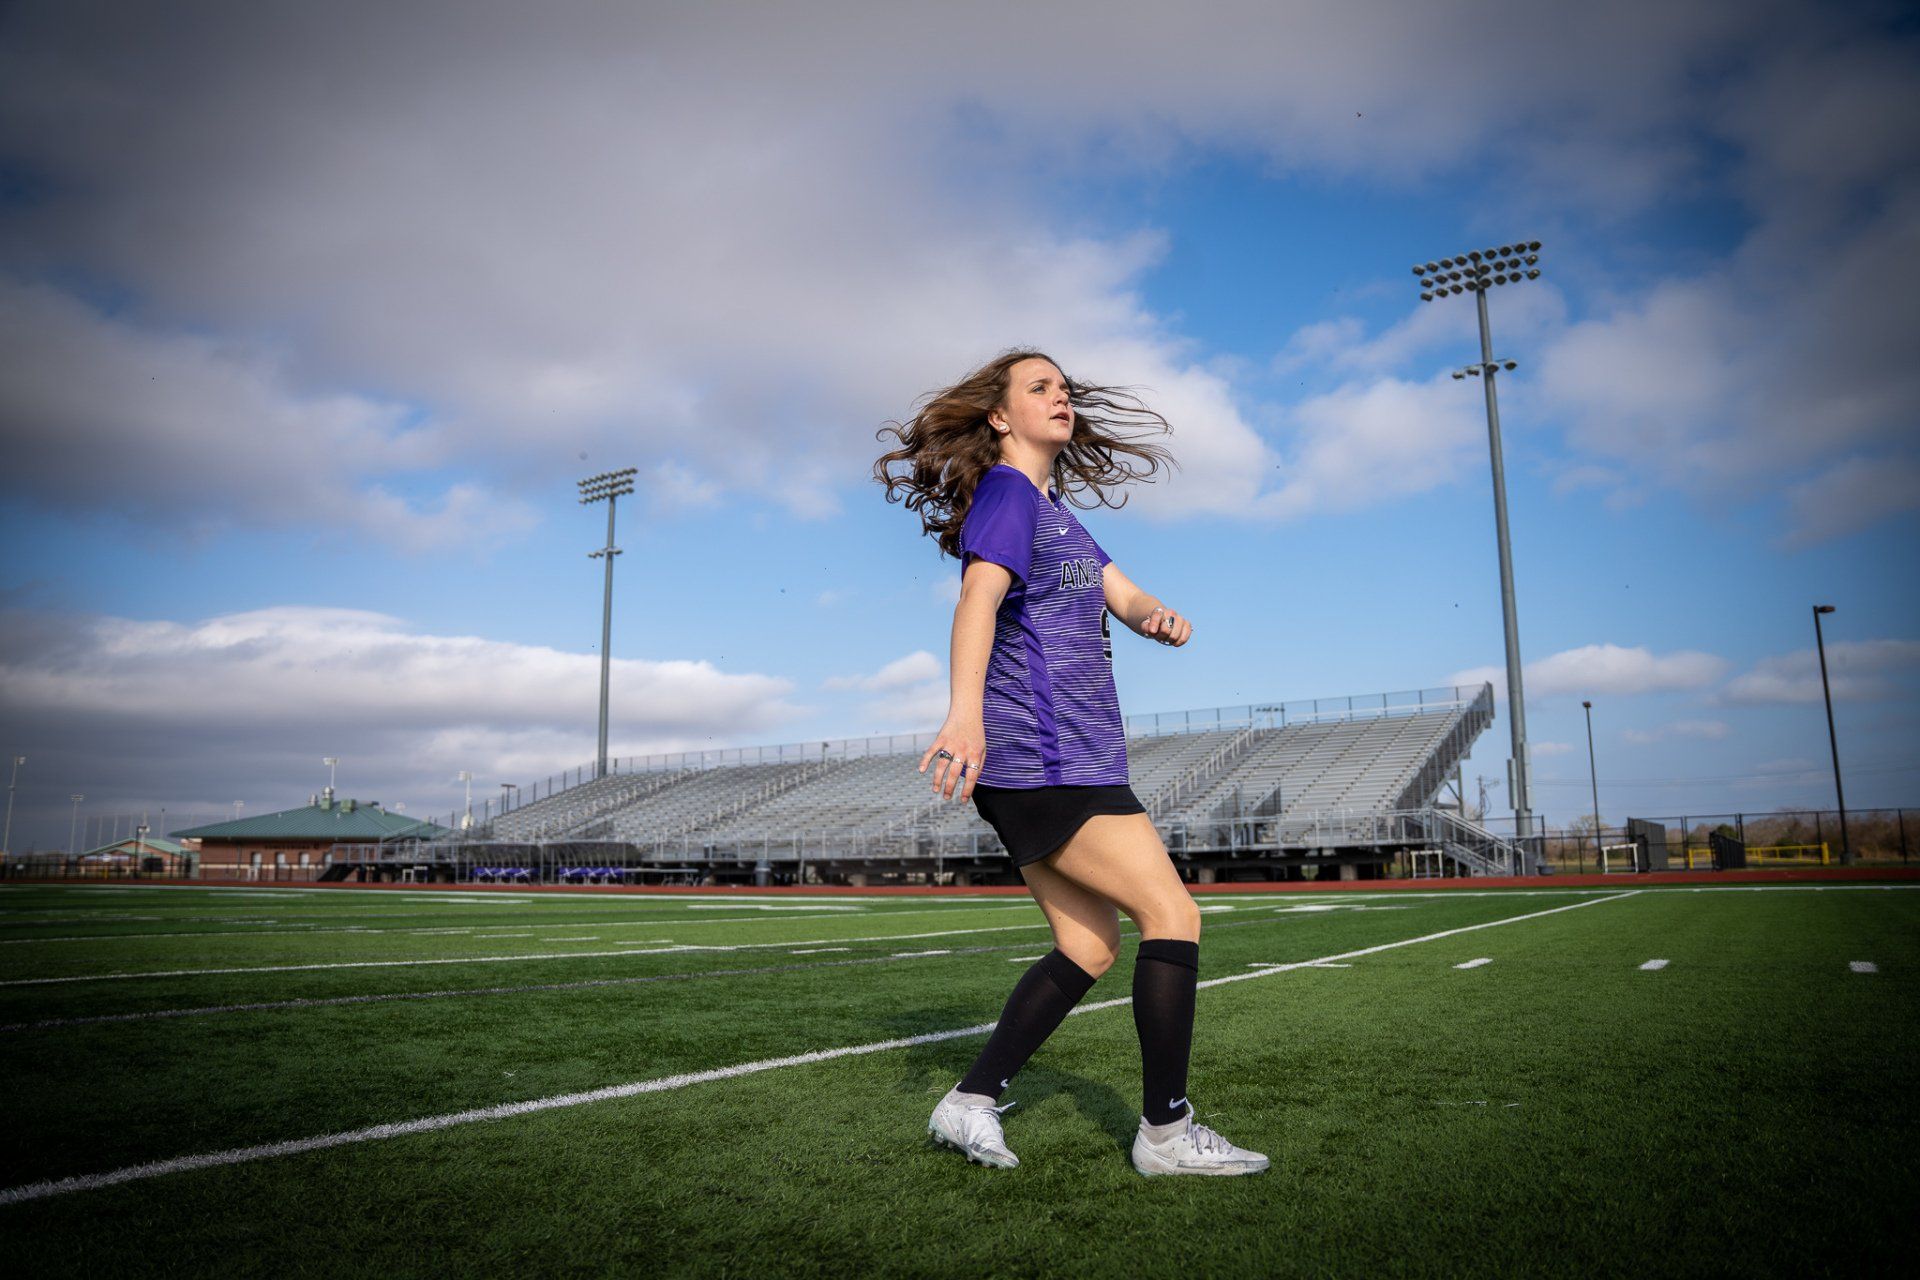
pixel 296 843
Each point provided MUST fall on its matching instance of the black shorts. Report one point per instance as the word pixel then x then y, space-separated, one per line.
pixel 1033 822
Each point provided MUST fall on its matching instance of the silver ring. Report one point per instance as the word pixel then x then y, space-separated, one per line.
pixel 943 755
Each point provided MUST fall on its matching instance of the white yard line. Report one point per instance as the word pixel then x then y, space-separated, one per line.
pixel 1475 964
pixel 430 1124
pixel 1653 965
pixel 664 922
pixel 471 993
pixel 554 955
pixel 1863 966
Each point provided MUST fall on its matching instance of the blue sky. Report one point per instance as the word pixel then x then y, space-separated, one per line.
pixel 305 347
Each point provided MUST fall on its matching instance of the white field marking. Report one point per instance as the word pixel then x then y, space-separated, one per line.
pixel 357 964
pixel 513 935
pixel 1475 964
pixel 585 937
pixel 1220 906
pixel 316 1002
pixel 664 922
pixel 1276 964
pixel 1863 966
pixel 430 1124
pixel 557 955
pixel 814 951
pixel 774 906
pixel 1334 906
pixel 1025 959
pixel 1653 965
pixel 902 955
pixel 471 993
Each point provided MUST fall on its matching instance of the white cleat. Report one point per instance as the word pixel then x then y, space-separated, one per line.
pixel 1193 1148
pixel 969 1122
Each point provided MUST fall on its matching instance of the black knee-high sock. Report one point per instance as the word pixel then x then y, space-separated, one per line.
pixel 1164 975
pixel 1040 1001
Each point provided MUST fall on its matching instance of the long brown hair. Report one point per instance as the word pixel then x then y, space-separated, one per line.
pixel 948 445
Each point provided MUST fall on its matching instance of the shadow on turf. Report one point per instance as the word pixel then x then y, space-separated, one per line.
pixel 929 1070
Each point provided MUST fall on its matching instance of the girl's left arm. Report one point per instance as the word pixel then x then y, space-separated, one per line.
pixel 1143 613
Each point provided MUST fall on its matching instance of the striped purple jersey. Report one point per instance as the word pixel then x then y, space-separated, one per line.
pixel 1052 713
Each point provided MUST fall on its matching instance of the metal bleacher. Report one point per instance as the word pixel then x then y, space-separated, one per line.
pixel 1322 775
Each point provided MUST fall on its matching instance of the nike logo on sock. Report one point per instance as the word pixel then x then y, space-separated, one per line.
pixel 1176 1104
pixel 1006 1084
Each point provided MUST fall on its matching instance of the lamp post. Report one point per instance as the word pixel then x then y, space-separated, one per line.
pixel 1593 774
pixel 1846 846
pixel 509 792
pixel 466 776
pixel 1475 272
pixel 73 828
pixel 6 837
pixel 608 487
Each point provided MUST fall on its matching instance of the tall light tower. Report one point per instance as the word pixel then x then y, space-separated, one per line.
pixel 1846 846
pixel 6 838
pixel 608 487
pixel 1475 272
pixel 466 776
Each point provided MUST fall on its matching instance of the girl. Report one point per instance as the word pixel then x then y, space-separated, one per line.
pixel 1034 737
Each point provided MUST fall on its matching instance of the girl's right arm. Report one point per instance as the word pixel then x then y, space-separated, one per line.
pixel 982 587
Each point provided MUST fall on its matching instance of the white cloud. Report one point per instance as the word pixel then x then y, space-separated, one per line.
pixel 192 433
pixel 1610 669
pixel 1704 730
pixel 243 705
pixel 915 694
pixel 789 240
pixel 1550 748
pixel 1857 670
pixel 1365 443
pixel 915 668
pixel 1850 495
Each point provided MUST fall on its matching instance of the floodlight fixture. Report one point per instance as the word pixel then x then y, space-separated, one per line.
pixel 608 487
pixel 1477 271
pixel 1833 741
pixel 1419 271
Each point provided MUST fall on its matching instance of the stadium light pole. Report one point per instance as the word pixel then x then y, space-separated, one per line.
pixel 608 487
pixel 1846 846
pixel 73 828
pixel 466 776
pixel 508 791
pixel 1593 774
pixel 6 838
pixel 1475 272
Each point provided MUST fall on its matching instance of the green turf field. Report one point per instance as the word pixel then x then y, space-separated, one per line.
pixel 1745 1109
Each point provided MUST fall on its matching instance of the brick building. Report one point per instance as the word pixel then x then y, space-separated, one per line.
pixel 295 844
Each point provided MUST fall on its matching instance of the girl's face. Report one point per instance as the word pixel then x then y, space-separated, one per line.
pixel 1037 411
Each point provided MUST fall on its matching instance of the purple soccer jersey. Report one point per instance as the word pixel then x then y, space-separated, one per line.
pixel 1052 713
